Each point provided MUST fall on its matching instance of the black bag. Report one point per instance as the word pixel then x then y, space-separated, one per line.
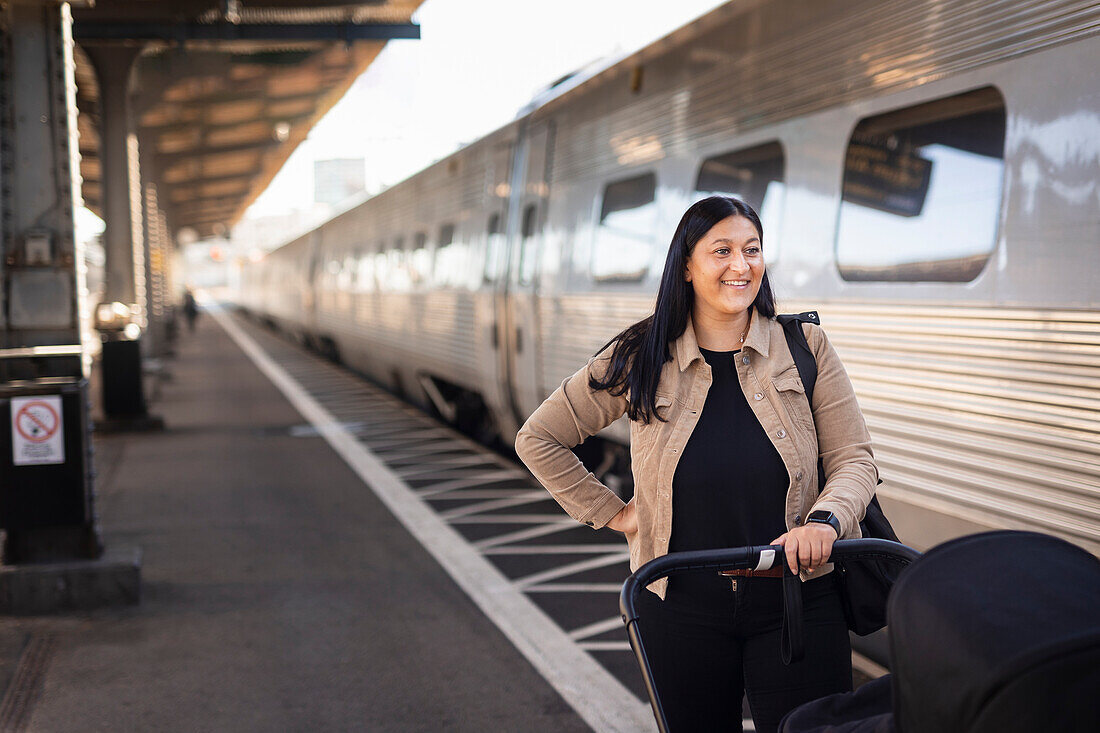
pixel 864 584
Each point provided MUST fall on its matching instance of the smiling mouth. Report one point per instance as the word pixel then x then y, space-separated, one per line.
pixel 736 283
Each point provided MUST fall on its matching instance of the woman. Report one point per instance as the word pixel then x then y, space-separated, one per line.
pixel 724 453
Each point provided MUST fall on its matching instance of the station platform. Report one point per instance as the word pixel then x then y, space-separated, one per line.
pixel 279 592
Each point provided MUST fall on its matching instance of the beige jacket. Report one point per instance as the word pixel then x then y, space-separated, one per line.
pixel 774 390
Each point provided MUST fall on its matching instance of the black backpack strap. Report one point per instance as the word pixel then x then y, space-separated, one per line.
pixel 799 347
pixel 791 642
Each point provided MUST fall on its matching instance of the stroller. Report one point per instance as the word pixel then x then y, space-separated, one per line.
pixel 991 632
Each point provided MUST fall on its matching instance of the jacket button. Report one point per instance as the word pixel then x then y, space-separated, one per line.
pixel 589 524
pixel 758 396
pixel 744 360
pixel 798 519
pixel 798 476
pixel 673 450
pixel 781 434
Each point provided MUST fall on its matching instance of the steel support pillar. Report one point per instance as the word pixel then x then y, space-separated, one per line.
pixel 125 277
pixel 46 497
pixel 52 556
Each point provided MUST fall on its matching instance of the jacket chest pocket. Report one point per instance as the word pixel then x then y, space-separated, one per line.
pixel 792 396
pixel 643 437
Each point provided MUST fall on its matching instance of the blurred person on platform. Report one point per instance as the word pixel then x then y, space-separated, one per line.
pixel 190 309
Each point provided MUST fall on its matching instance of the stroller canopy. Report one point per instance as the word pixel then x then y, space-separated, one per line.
pixel 997 632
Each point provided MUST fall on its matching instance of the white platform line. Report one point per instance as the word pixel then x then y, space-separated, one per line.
pixel 597 628
pixel 600 699
pixel 464 494
pixel 560 524
pixel 591 549
pixel 412 436
pixel 439 465
pixel 572 568
pixel 529 497
pixel 423 450
pixel 615 588
pixel 478 480
pixel 507 519
pixel 605 646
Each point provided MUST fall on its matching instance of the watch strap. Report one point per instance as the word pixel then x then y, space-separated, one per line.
pixel 831 520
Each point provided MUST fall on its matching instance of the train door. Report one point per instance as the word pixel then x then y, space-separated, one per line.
pixel 527 213
pixel 495 388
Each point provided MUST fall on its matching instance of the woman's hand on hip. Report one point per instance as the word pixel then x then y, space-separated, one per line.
pixel 808 546
pixel 626 521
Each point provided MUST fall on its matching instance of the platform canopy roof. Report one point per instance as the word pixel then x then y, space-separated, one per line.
pixel 225 90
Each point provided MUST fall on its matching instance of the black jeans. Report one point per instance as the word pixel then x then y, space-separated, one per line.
pixel 708 645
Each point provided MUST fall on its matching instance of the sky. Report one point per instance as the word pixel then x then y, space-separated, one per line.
pixel 476 64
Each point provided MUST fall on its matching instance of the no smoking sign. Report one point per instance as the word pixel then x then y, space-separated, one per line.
pixel 37 431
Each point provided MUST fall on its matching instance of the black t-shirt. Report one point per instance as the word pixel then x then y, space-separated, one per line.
pixel 730 486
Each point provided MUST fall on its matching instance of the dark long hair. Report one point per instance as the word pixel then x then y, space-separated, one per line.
pixel 641 350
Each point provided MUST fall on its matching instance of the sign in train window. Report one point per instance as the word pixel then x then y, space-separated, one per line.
pixel 922 191
pixel 624 239
pixel 755 175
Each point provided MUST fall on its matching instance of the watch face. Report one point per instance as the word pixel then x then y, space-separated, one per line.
pixel 820 516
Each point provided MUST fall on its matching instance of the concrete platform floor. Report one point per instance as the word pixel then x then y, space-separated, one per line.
pixel 279 594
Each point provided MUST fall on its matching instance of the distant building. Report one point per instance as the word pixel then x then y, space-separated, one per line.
pixel 335 180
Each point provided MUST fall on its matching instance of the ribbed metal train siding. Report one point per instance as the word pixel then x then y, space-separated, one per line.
pixel 990 415
pixel 578 325
pixel 739 77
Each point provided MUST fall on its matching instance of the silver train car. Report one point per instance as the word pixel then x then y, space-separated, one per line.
pixel 927 173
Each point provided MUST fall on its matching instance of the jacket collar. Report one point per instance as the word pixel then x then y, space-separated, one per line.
pixel 758 339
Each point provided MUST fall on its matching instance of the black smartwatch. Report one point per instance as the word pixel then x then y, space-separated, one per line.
pixel 824 517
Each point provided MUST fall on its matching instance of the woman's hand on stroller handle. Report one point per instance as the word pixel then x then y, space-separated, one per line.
pixel 807 547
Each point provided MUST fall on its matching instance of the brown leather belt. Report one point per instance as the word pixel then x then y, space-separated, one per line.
pixel 776 572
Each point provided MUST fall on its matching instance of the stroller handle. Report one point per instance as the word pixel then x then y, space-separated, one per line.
pixel 757 557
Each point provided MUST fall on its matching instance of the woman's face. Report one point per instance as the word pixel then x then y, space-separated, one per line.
pixel 725 268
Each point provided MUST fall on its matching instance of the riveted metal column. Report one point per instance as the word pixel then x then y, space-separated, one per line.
pixel 46 498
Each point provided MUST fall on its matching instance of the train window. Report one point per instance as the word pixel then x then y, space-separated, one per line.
pixel 449 256
pixel 345 279
pixel 364 276
pixel 397 273
pixel 446 234
pixel 420 260
pixel 624 240
pixel 922 191
pixel 527 246
pixel 494 248
pixel 381 270
pixel 756 176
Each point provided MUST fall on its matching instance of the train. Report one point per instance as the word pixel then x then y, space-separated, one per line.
pixel 927 176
